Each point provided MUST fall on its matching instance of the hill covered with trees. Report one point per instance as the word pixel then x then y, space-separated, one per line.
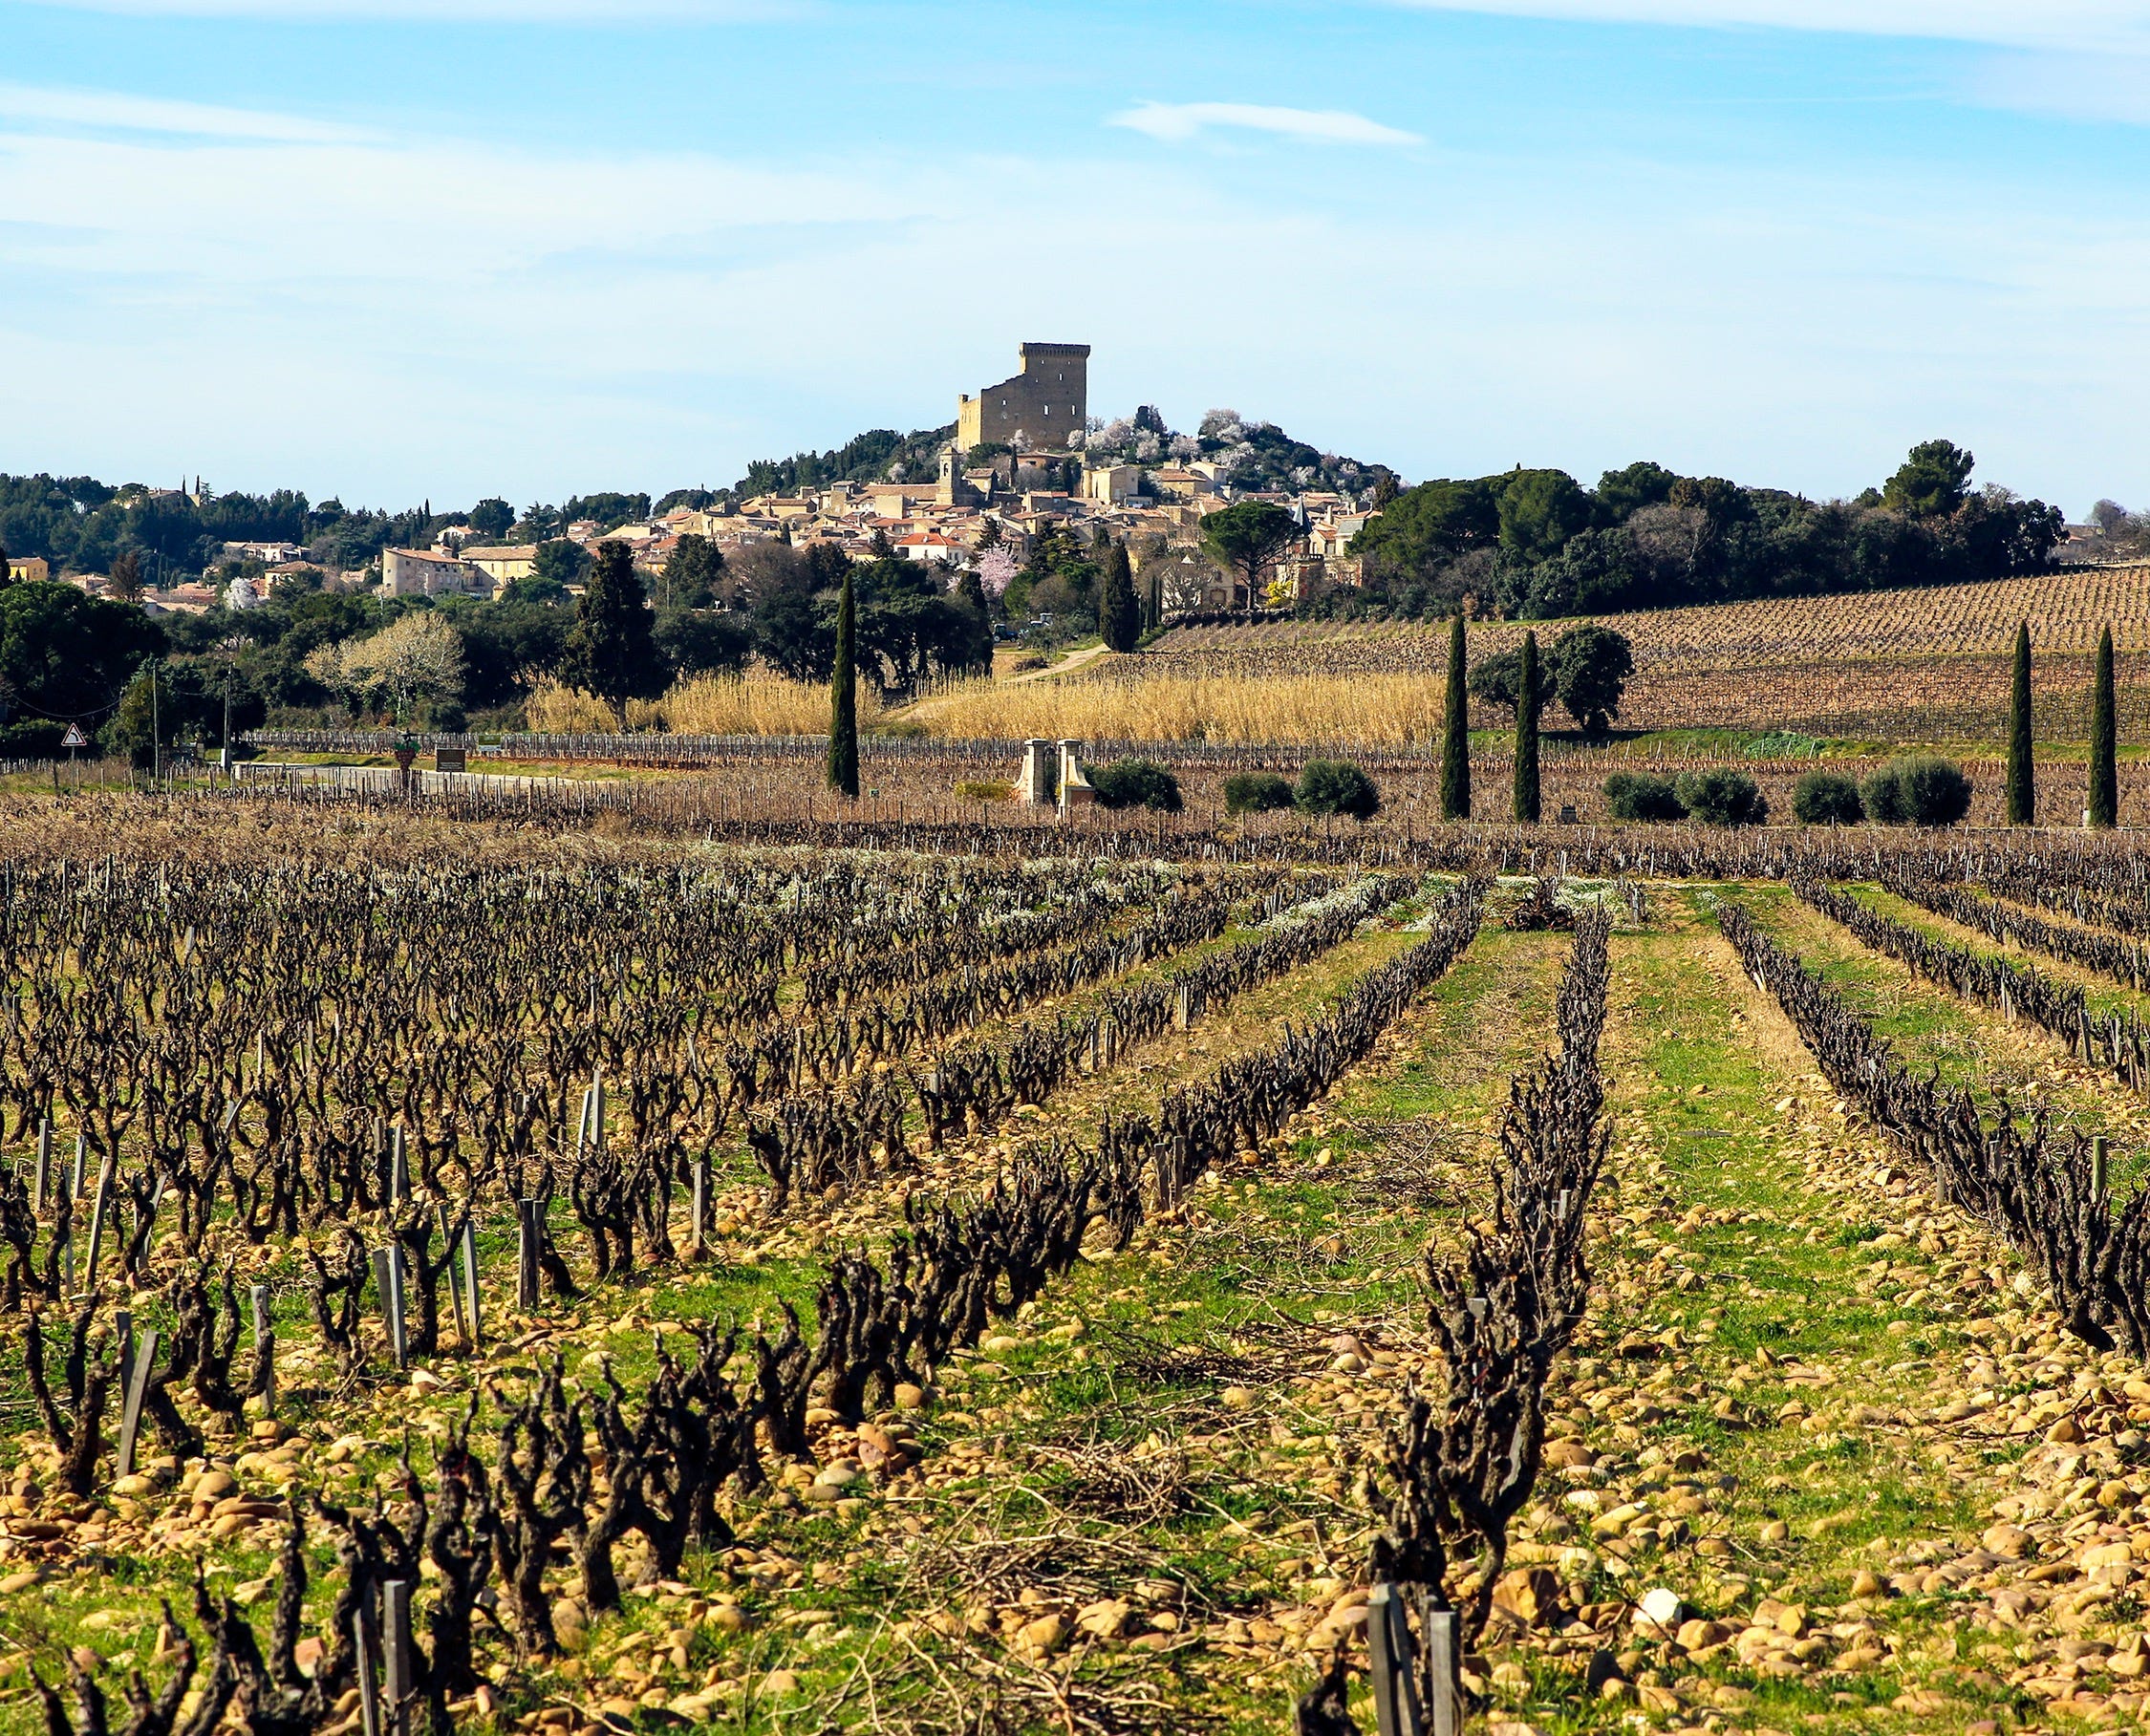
pixel 1537 544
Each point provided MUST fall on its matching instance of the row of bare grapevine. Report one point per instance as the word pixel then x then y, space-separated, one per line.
pixel 1462 1465
pixel 2119 1042
pixel 2040 1191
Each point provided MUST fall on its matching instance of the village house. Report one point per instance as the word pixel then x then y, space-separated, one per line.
pixel 268 554
pixel 420 573
pixel 503 563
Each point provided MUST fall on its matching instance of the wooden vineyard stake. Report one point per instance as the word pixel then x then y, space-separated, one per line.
pixel 396 1685
pixel 528 1229
pixel 472 1313
pixel 388 1274
pixel 1389 1662
pixel 399 1167
pixel 1440 1664
pixel 697 1221
pixel 43 1179
pixel 265 1348
pixel 130 1413
pixel 369 1692
pixel 1183 1008
pixel 454 1274
pixel 123 1329
pixel 81 1155
pixel 2097 1167
pixel 97 1221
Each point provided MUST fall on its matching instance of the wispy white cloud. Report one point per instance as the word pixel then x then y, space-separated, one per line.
pixel 1179 121
pixel 111 111
pixel 2087 26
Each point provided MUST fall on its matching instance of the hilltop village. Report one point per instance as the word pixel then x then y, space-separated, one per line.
pixel 1022 460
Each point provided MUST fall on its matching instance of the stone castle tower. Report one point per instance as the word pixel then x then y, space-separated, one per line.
pixel 1036 409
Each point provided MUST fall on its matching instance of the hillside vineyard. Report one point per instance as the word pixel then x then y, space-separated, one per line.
pixel 1920 664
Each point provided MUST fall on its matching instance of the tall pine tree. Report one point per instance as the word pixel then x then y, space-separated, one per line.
pixel 2104 744
pixel 1455 734
pixel 1526 736
pixel 842 699
pixel 2023 801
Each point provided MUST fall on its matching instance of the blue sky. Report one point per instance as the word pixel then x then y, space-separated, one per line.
pixel 395 249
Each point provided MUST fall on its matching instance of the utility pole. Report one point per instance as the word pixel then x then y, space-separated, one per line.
pixel 230 668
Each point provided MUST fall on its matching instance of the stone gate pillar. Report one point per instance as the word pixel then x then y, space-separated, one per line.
pixel 1036 783
pixel 1075 789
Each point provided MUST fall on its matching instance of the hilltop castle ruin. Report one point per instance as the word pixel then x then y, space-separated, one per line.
pixel 1037 409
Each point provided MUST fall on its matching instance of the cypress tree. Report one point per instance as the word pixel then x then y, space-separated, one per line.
pixel 1526 736
pixel 2104 746
pixel 611 647
pixel 1119 615
pixel 1456 735
pixel 843 699
pixel 2022 796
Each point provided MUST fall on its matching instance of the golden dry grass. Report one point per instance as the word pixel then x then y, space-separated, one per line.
pixel 1313 710
pixel 708 705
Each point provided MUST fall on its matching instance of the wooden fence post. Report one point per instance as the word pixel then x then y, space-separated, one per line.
pixel 369 1692
pixel 475 1313
pixel 1388 1649
pixel 528 1231
pixel 396 1686
pixel 1440 1662
pixel 388 1277
pixel 453 1275
pixel 130 1412
pixel 97 1221
pixel 265 1348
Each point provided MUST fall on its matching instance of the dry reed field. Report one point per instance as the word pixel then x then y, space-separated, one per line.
pixel 758 704
pixel 1124 699
pixel 580 1281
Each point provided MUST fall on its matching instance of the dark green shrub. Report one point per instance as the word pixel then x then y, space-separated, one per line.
pixel 1723 797
pixel 1136 784
pixel 1883 797
pixel 1917 792
pixel 1827 799
pixel 1337 787
pixel 1643 796
pixel 35 739
pixel 1255 792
